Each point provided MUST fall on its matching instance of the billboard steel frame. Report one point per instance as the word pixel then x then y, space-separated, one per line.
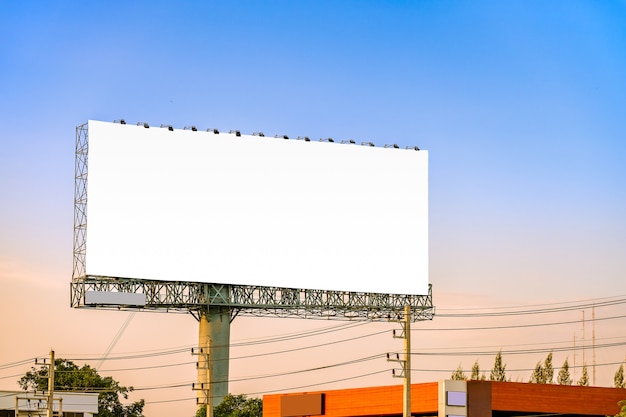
pixel 195 297
pixel 255 300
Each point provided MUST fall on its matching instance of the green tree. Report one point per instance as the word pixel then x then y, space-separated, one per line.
pixel 543 373
pixel 584 379
pixel 548 370
pixel 498 373
pixel 69 377
pixel 538 374
pixel 458 375
pixel 564 378
pixel 239 406
pixel 619 377
pixel 475 371
pixel 201 412
pixel 476 375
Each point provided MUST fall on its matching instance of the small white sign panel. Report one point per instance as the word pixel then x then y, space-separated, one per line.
pixel 248 210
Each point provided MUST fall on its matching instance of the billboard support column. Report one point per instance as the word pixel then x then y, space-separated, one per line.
pixel 213 357
pixel 203 364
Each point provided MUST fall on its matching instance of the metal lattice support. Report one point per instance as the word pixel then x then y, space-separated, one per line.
pixel 256 300
pixel 80 200
pixel 195 297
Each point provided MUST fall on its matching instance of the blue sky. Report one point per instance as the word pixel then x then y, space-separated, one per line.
pixel 520 104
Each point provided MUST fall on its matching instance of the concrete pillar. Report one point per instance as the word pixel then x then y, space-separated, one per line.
pixel 213 358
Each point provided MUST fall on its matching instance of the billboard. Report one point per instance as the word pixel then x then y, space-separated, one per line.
pixel 183 205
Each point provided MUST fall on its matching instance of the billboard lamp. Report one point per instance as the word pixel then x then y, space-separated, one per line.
pixel 213 130
pixel 367 144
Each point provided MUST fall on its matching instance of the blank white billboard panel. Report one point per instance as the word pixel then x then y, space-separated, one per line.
pixel 203 207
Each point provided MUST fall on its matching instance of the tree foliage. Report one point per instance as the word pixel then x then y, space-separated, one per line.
pixel 459 374
pixel 543 373
pixel 619 378
pixel 476 375
pixel 201 411
pixel 239 406
pixel 548 370
pixel 498 373
pixel 235 406
pixel 537 376
pixel 564 378
pixel 69 377
pixel 584 379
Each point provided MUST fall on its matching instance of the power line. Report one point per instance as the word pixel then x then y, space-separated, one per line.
pixel 515 326
pixel 567 305
pixel 181 350
pixel 514 352
pixel 16 364
pixel 116 338
pixel 298 335
pixel 282 389
pixel 478 350
pixel 320 383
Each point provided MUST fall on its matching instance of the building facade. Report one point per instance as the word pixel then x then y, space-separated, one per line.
pixel 29 404
pixel 451 399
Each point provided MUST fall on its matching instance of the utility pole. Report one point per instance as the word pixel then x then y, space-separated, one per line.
pixel 51 385
pixel 407 357
pixel 50 378
pixel 574 369
pixel 583 339
pixel 593 341
pixel 405 371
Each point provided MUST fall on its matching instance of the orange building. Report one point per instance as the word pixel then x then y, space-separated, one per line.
pixel 451 399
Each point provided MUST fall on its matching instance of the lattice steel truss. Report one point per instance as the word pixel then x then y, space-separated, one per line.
pixel 80 200
pixel 257 300
pixel 240 299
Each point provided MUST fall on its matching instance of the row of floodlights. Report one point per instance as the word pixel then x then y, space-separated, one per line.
pixel 261 134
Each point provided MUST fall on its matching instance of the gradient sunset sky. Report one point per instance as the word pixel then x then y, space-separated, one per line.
pixel 521 105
